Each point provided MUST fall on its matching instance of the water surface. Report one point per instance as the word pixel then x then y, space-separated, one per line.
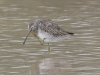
pixel 77 55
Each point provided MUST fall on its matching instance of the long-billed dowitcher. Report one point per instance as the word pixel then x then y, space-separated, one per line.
pixel 47 31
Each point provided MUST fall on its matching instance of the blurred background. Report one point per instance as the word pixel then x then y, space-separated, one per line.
pixel 77 55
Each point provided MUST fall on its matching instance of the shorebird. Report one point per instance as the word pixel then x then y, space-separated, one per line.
pixel 48 31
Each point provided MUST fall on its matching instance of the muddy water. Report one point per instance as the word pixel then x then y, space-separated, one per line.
pixel 77 55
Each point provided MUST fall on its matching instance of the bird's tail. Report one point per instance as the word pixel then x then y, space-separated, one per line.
pixel 70 33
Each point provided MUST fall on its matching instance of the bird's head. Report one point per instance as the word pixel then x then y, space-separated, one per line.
pixel 30 26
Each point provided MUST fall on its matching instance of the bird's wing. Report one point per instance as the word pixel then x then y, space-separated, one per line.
pixel 52 28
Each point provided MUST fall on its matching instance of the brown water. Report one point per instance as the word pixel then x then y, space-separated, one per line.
pixel 77 55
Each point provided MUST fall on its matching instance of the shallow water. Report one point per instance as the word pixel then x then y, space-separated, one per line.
pixel 77 55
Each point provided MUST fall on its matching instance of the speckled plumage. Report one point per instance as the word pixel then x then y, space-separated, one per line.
pixel 48 31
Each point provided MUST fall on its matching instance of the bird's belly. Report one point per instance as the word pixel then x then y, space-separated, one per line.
pixel 46 37
pixel 50 38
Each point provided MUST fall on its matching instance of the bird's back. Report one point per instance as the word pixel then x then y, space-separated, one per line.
pixel 52 28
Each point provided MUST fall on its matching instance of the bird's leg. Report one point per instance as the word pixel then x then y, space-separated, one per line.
pixel 48 47
pixel 43 41
pixel 37 37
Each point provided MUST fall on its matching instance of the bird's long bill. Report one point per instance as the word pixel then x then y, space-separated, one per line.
pixel 26 37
